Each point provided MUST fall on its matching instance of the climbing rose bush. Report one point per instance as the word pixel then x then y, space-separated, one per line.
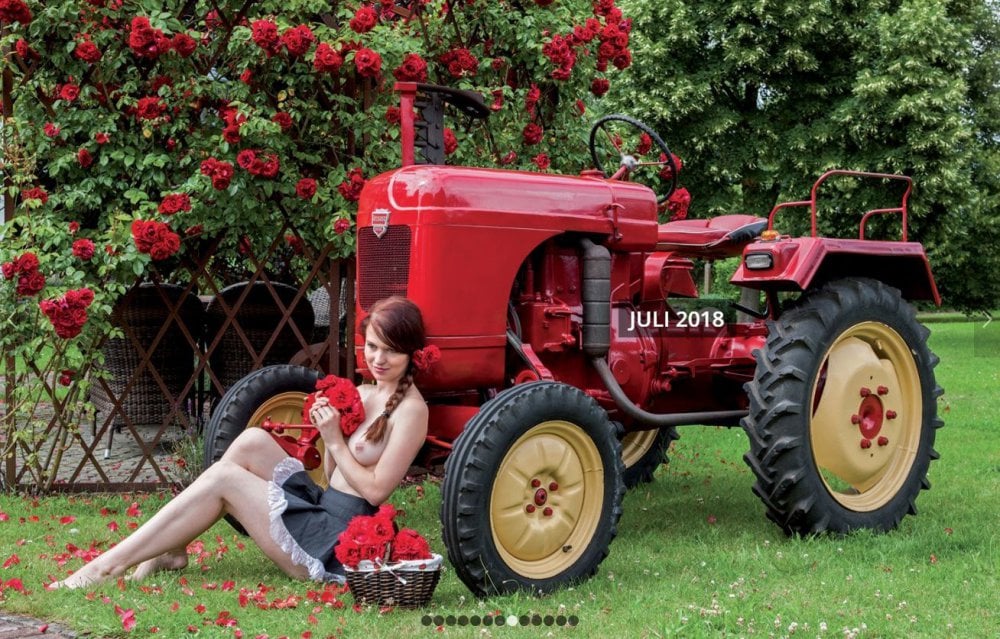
pixel 143 134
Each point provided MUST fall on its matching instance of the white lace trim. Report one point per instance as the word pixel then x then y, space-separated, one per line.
pixel 277 505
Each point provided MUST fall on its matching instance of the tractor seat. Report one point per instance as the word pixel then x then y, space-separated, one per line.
pixel 712 238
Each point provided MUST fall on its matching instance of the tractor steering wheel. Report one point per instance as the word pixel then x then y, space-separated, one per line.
pixel 618 140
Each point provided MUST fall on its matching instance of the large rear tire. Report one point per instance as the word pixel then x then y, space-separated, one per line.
pixel 843 411
pixel 532 491
pixel 277 392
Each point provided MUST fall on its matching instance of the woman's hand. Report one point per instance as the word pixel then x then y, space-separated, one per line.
pixel 326 418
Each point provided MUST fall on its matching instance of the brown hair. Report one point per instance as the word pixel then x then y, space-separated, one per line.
pixel 398 322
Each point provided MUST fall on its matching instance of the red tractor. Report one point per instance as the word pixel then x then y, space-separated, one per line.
pixel 569 356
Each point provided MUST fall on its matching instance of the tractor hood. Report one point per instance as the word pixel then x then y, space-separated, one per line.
pixel 624 212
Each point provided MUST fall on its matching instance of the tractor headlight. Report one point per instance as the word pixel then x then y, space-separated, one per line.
pixel 758 261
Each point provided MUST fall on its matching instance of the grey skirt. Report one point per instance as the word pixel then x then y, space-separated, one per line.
pixel 306 519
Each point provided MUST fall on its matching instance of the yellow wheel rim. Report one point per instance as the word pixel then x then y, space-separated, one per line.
pixel 636 444
pixel 547 499
pixel 867 415
pixel 287 408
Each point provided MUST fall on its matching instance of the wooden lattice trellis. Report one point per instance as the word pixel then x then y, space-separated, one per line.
pixel 72 445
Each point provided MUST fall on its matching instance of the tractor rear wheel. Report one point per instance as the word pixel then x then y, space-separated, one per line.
pixel 277 392
pixel 532 491
pixel 642 453
pixel 843 411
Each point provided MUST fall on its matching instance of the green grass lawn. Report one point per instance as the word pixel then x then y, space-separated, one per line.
pixel 694 556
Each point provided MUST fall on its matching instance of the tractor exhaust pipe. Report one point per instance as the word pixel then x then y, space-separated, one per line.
pixel 596 295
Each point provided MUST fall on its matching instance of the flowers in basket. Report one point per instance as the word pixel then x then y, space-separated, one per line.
pixel 386 565
pixel 375 541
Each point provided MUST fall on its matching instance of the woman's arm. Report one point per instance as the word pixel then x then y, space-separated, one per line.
pixel 377 482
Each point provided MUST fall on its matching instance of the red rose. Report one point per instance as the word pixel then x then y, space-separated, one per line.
pixel 35 193
pixel 87 51
pixel 599 86
pixel 678 204
pixel 102 138
pixel 84 157
pixel 298 40
pixel 450 141
pixel 68 313
pixel 532 133
pixel 364 20
pixel 645 144
pixel 24 50
pixel 327 59
pixel 342 395
pixel 83 249
pixel 283 120
pixel 368 63
pixel 306 188
pixel 351 188
pixel 295 243
pixel 166 245
pixel 265 34
pixel 541 161
pixel 581 108
pixel 69 92
pixel 66 377
pixel 413 69
pixel 145 41
pixel 51 130
pixel 149 108
pixel 184 44
pixel 246 158
pixel 531 99
pixel 667 172
pixel 14 11
pixel 247 76
pixel 74 227
pixel 409 545
pixel 460 62
pixel 30 283
pixel 341 226
pixel 175 203
pixel 392 115
pixel 220 172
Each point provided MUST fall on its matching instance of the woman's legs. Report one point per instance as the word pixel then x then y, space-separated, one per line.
pixel 253 449
pixel 225 487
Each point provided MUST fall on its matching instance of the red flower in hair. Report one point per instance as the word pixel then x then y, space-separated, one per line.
pixel 424 358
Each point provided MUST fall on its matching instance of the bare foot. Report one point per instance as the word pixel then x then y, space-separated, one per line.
pixel 166 561
pixel 82 578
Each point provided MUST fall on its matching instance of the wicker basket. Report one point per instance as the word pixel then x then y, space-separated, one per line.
pixel 405 584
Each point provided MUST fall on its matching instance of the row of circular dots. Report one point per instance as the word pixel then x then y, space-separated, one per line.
pixel 499 620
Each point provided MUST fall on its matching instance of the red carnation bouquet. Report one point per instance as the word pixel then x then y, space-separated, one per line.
pixel 375 541
pixel 342 395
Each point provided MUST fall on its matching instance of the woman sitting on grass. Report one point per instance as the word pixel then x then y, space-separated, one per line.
pixel 294 521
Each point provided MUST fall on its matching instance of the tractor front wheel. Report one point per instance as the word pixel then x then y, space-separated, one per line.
pixel 532 491
pixel 843 411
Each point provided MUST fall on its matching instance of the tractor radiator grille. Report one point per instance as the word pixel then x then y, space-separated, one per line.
pixel 384 265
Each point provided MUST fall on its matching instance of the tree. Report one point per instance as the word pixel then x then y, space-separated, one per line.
pixel 760 98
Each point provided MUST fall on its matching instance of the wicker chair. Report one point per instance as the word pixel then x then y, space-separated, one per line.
pixel 320 300
pixel 257 316
pixel 144 314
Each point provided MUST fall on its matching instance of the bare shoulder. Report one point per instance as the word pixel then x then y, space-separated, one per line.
pixel 413 407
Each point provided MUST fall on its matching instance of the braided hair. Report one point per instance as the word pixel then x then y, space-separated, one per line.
pixel 398 322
